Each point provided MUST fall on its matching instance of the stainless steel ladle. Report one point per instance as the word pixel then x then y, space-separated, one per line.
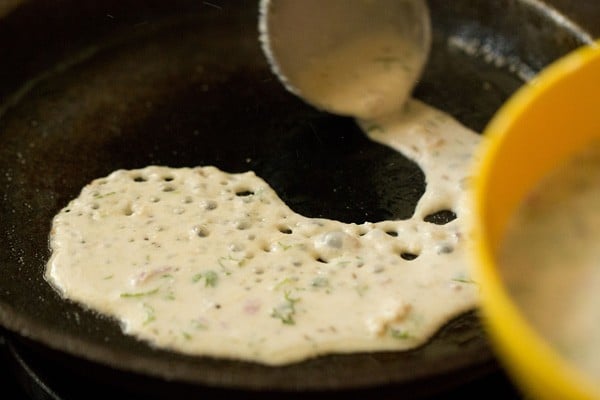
pixel 351 57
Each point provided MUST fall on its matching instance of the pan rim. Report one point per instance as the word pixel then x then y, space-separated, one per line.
pixel 32 329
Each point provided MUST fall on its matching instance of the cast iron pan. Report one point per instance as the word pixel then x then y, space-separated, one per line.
pixel 87 87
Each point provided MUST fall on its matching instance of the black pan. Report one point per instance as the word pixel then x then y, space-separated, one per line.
pixel 87 87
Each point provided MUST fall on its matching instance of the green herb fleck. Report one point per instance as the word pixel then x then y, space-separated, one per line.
pixel 285 282
pixel 150 315
pixel 286 310
pixel 139 294
pixel 319 282
pixel 170 295
pixel 186 335
pixel 284 246
pixel 229 261
pixel 99 196
pixel 196 324
pixel 400 334
pixel 107 277
pixel 373 128
pixel 465 280
pixel 211 278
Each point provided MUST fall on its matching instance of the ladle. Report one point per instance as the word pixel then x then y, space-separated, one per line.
pixel 359 58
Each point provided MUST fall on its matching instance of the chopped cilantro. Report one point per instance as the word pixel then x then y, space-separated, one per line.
pixel 139 294
pixel 286 310
pixel 211 278
pixel 320 282
pixel 400 334
pixel 150 315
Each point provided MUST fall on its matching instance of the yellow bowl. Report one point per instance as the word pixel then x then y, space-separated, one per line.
pixel 544 123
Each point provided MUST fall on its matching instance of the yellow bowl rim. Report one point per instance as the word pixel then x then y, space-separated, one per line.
pixel 517 344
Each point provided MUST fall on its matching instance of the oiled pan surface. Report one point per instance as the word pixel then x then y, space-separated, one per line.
pixel 129 84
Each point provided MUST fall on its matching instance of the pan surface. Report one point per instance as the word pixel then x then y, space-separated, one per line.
pixel 87 88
